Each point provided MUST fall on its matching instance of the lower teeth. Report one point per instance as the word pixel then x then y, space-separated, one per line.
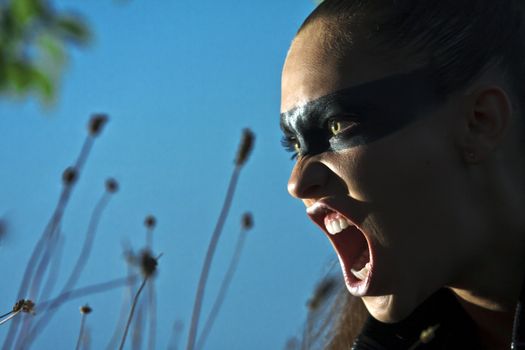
pixel 363 273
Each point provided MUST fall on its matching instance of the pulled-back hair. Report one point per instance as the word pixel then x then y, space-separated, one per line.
pixel 457 40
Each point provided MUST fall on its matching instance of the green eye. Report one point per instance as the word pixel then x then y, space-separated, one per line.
pixel 339 126
pixel 297 147
pixel 335 127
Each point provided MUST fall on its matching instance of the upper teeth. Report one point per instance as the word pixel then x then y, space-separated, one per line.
pixel 336 225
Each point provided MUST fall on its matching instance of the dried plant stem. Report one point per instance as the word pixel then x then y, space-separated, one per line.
pixel 38 256
pixel 10 315
pixel 176 332
pixel 54 269
pixel 219 300
pixel 152 315
pixel 44 257
pixel 83 256
pixel 49 305
pixel 84 291
pixel 38 250
pixel 81 332
pixel 123 313
pixel 308 331
pixel 7 314
pixel 88 242
pixel 137 326
pixel 44 262
pixel 84 153
pixel 135 300
pixel 209 257
pixel 149 238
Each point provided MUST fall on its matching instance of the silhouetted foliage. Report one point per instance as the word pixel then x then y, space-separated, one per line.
pixel 34 39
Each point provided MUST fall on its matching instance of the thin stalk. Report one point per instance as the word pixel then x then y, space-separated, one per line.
pixel 152 301
pixel 122 318
pixel 54 269
pixel 149 238
pixel 219 300
pixel 305 344
pixel 7 314
pixel 81 332
pixel 84 153
pixel 83 256
pixel 12 314
pixel 152 310
pixel 46 306
pixel 176 332
pixel 209 257
pixel 88 242
pixel 79 164
pixel 84 291
pixel 137 326
pixel 415 345
pixel 41 246
pixel 126 329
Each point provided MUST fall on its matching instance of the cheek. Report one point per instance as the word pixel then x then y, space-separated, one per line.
pixel 408 180
pixel 397 169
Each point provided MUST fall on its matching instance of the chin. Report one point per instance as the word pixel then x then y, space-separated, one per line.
pixel 390 308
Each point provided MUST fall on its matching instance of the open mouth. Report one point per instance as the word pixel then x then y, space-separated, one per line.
pixel 350 244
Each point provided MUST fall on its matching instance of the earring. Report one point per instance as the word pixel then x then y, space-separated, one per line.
pixel 471 157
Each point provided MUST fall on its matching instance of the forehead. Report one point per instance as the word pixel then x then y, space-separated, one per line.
pixel 311 70
pixel 388 94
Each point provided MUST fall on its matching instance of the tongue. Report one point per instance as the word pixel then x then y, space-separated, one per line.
pixel 352 248
pixel 362 260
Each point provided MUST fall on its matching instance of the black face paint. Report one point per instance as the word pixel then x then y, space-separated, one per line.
pixel 374 110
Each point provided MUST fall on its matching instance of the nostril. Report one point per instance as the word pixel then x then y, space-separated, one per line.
pixel 308 179
pixel 301 191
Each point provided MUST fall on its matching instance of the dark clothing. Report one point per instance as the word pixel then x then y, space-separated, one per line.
pixel 453 328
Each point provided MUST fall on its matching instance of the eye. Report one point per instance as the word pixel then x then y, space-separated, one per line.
pixel 338 126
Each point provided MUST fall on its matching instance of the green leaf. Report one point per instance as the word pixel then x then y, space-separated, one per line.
pixel 52 48
pixel 19 76
pixel 73 29
pixel 44 86
pixel 24 10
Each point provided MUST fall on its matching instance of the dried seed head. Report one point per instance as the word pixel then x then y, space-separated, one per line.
pixel 428 334
pixel 18 305
pixel 3 228
pixel 247 221
pixel 148 264
pixel 111 185
pixel 245 147
pixel 96 123
pixel 292 344
pixel 28 306
pixel 69 176
pixel 86 309
pixel 322 292
pixel 130 257
pixel 150 221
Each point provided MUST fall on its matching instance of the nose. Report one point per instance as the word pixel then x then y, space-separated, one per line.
pixel 308 179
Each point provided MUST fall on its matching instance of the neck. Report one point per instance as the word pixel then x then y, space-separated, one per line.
pixel 494 321
pixel 491 304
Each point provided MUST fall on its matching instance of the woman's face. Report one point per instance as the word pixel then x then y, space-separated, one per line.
pixel 379 172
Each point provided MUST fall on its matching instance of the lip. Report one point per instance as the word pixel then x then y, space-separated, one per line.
pixel 348 244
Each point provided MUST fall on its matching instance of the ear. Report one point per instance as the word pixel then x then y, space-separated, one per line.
pixel 486 122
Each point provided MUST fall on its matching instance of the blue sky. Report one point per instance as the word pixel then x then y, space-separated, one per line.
pixel 179 80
